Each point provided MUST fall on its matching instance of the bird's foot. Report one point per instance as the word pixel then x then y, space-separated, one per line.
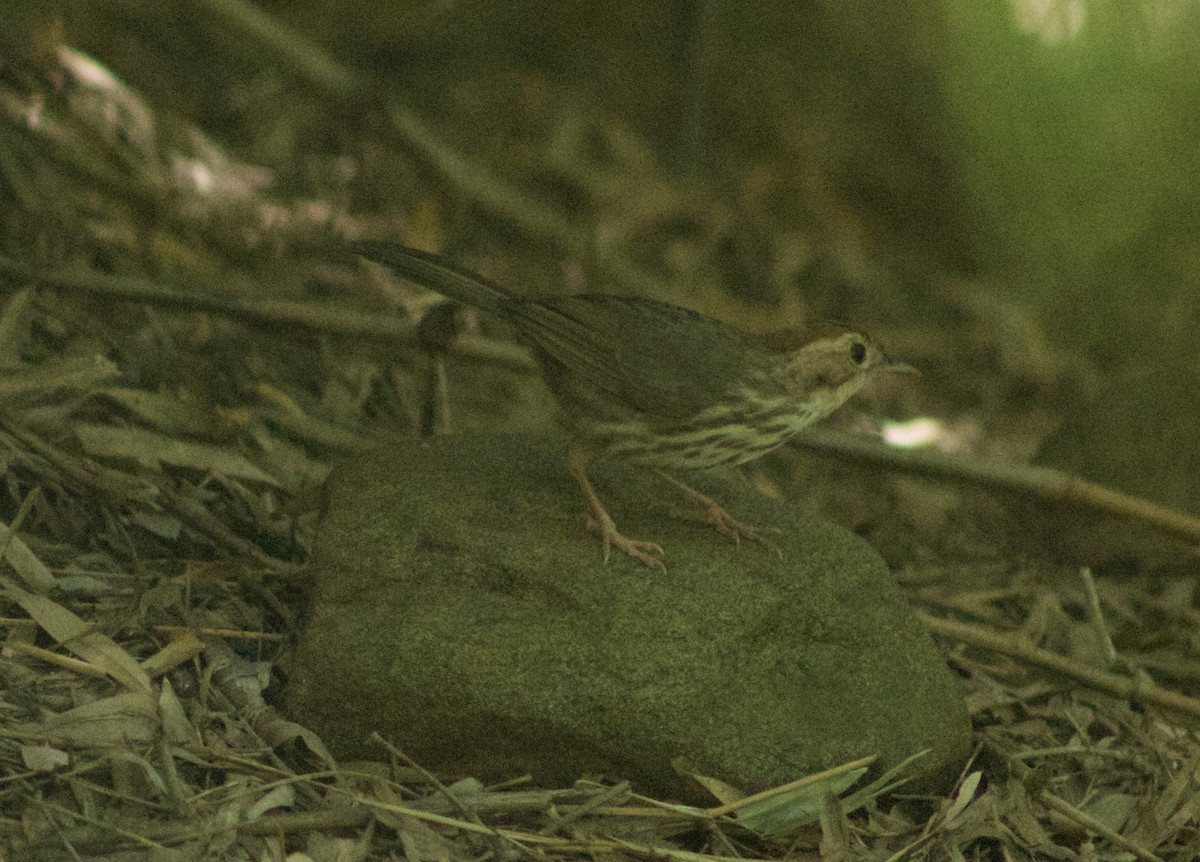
pixel 714 514
pixel 720 520
pixel 610 537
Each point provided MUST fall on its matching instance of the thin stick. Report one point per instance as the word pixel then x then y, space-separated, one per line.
pixel 1053 486
pixel 1096 614
pixel 273 313
pixel 1141 689
pixel 1092 824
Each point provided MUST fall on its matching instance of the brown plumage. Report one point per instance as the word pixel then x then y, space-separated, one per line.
pixel 657 384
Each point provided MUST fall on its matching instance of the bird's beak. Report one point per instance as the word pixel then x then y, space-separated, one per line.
pixel 897 367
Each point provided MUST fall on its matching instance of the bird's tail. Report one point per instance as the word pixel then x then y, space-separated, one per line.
pixel 437 273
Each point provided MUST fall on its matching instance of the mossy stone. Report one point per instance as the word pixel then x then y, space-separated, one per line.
pixel 461 610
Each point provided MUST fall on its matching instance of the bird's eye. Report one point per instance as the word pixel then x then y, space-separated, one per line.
pixel 858 352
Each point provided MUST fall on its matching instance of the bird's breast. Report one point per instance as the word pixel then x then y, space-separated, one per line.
pixel 726 434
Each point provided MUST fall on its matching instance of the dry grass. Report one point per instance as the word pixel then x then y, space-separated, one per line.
pixel 183 354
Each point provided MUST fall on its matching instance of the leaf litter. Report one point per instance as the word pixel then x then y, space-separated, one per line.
pixel 162 448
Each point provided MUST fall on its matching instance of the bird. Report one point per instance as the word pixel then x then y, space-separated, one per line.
pixel 658 385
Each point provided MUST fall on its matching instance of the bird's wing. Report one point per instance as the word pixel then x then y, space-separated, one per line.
pixel 647 355
pixel 644 355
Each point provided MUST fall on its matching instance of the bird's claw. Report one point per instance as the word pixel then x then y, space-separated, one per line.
pixel 724 523
pixel 647 553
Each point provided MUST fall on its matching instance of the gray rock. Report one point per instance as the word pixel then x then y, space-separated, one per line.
pixel 461 610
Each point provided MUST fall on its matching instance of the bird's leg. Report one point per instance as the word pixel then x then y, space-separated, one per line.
pixel 714 513
pixel 601 523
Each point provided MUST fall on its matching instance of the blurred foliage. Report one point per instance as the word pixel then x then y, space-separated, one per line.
pixel 1045 147
pixel 1076 142
pixel 994 185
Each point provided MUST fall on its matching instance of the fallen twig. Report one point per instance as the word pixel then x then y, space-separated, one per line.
pixel 1141 689
pixel 1053 486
